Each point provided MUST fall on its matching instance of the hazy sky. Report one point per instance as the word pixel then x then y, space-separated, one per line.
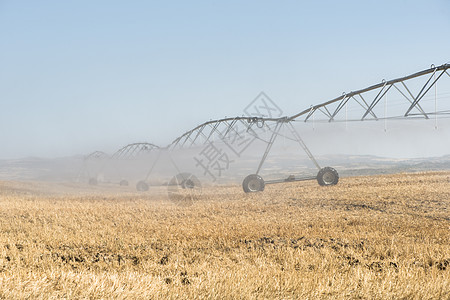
pixel 79 76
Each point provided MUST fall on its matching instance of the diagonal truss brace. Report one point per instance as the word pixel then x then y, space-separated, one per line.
pixel 422 92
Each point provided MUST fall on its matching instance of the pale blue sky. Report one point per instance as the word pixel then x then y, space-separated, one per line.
pixel 79 76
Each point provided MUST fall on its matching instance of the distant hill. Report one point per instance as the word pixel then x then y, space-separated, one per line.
pixel 43 169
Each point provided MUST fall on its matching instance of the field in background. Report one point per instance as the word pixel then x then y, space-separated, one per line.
pixel 368 237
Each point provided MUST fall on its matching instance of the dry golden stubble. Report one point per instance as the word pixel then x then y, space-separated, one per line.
pixel 368 237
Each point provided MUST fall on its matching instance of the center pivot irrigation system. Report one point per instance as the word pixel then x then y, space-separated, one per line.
pixel 413 96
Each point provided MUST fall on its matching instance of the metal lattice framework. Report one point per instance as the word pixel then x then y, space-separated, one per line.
pixel 135 150
pixel 365 102
pixel 96 155
pixel 370 98
pixel 412 96
pixel 409 97
pixel 222 129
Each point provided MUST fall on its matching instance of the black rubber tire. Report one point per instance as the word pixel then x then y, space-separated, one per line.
pixel 93 181
pixel 253 183
pixel 327 176
pixel 184 189
pixel 188 184
pixel 185 181
pixel 142 186
pixel 123 182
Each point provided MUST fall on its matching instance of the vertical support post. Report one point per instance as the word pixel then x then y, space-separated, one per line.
pixel 435 103
pixel 346 116
pixel 385 112
pixel 314 118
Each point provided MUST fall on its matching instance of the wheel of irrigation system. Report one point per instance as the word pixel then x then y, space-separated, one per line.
pixel 327 176
pixel 123 182
pixel 142 186
pixel 185 181
pixel 188 183
pixel 93 181
pixel 253 183
pixel 184 189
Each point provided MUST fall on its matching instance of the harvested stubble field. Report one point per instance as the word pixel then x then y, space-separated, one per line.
pixel 368 237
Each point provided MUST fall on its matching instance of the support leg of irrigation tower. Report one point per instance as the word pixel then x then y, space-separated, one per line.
pixel 269 145
pixel 303 145
pixel 167 152
pixel 154 163
pixel 173 162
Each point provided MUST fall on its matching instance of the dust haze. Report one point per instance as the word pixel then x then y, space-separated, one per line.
pixel 370 147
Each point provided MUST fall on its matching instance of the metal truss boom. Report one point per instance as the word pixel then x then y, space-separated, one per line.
pixel 238 127
pixel 411 100
pixel 245 126
pixel 134 150
pixel 367 100
pixel 96 155
pixel 332 107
